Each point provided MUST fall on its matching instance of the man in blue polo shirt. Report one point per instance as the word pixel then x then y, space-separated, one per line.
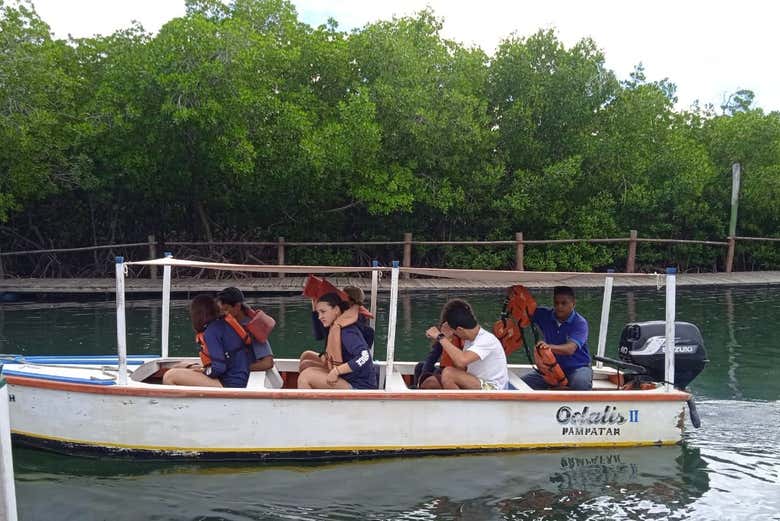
pixel 566 334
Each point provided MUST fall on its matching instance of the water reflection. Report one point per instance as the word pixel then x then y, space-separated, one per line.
pixel 526 485
pixel 731 344
pixel 630 306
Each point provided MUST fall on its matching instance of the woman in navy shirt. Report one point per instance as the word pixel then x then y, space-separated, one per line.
pixel 225 356
pixel 355 370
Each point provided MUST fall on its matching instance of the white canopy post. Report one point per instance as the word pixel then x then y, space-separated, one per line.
pixel 7 488
pixel 121 336
pixel 166 307
pixel 374 289
pixel 602 345
pixel 671 281
pixel 391 321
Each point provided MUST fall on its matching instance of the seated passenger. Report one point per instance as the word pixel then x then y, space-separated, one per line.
pixel 482 363
pixel 224 354
pixel 565 333
pixel 231 301
pixel 355 299
pixel 427 375
pixel 354 369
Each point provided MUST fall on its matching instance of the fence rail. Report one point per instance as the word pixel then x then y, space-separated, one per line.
pixel 519 242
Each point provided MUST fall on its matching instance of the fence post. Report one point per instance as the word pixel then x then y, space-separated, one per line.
pixel 730 254
pixel 631 262
pixel 519 252
pixel 2 272
pixel 152 255
pixel 280 255
pixel 407 252
pixel 736 170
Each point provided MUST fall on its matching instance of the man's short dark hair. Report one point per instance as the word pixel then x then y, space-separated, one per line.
pixel 230 296
pixel 563 291
pixel 457 313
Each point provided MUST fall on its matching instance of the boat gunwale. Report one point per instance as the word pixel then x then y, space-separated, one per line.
pixel 157 390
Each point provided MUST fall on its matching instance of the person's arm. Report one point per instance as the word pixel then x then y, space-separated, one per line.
pixel 429 364
pixel 559 349
pixel 460 358
pixel 218 366
pixel 357 348
pixel 349 317
pixel 576 339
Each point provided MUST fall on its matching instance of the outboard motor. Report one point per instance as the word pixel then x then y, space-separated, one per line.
pixel 643 344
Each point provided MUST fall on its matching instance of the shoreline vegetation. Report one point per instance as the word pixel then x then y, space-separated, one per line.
pixel 241 123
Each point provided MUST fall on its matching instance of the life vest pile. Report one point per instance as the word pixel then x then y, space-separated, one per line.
pixel 519 307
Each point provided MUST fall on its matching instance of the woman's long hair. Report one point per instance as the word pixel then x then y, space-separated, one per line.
pixel 203 310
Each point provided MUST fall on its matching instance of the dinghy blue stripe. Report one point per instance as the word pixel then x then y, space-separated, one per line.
pixel 81 360
pixel 55 378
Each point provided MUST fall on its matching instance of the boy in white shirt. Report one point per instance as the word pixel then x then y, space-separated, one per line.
pixel 482 362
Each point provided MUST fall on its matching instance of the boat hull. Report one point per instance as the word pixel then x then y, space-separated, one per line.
pixel 154 421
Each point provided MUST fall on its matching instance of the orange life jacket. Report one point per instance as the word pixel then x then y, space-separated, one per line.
pixel 446 360
pixel 200 338
pixel 519 307
pixel 548 367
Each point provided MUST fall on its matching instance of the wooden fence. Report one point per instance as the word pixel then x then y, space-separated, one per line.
pixel 519 243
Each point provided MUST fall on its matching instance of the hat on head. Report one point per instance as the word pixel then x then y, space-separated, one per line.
pixel 231 296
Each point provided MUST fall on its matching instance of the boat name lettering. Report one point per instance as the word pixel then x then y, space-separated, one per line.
pixel 609 416
pixel 591 431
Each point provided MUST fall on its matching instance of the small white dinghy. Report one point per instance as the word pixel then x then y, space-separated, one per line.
pixel 117 405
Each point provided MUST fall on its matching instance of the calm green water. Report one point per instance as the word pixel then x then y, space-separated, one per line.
pixel 729 469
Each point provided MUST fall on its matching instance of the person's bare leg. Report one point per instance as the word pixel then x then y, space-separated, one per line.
pixel 316 378
pixel 454 378
pixel 189 377
pixel 310 359
pixel 431 383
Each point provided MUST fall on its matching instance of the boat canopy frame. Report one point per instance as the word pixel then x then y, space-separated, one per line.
pixel 168 262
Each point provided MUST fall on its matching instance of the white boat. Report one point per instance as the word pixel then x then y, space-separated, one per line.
pixel 115 405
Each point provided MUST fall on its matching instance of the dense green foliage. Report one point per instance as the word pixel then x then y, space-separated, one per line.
pixel 239 122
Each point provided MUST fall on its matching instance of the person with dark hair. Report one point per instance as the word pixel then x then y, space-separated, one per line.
pixel 565 333
pixel 355 299
pixel 355 368
pixel 224 354
pixel 231 301
pixel 482 362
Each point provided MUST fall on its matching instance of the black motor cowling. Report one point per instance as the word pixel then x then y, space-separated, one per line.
pixel 643 343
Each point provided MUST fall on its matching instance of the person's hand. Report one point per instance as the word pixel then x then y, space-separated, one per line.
pixel 333 376
pixel 447 330
pixel 541 344
pixel 433 332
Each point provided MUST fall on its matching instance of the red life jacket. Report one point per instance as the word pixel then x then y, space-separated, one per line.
pixel 446 360
pixel 260 324
pixel 200 338
pixel 519 307
pixel 548 367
